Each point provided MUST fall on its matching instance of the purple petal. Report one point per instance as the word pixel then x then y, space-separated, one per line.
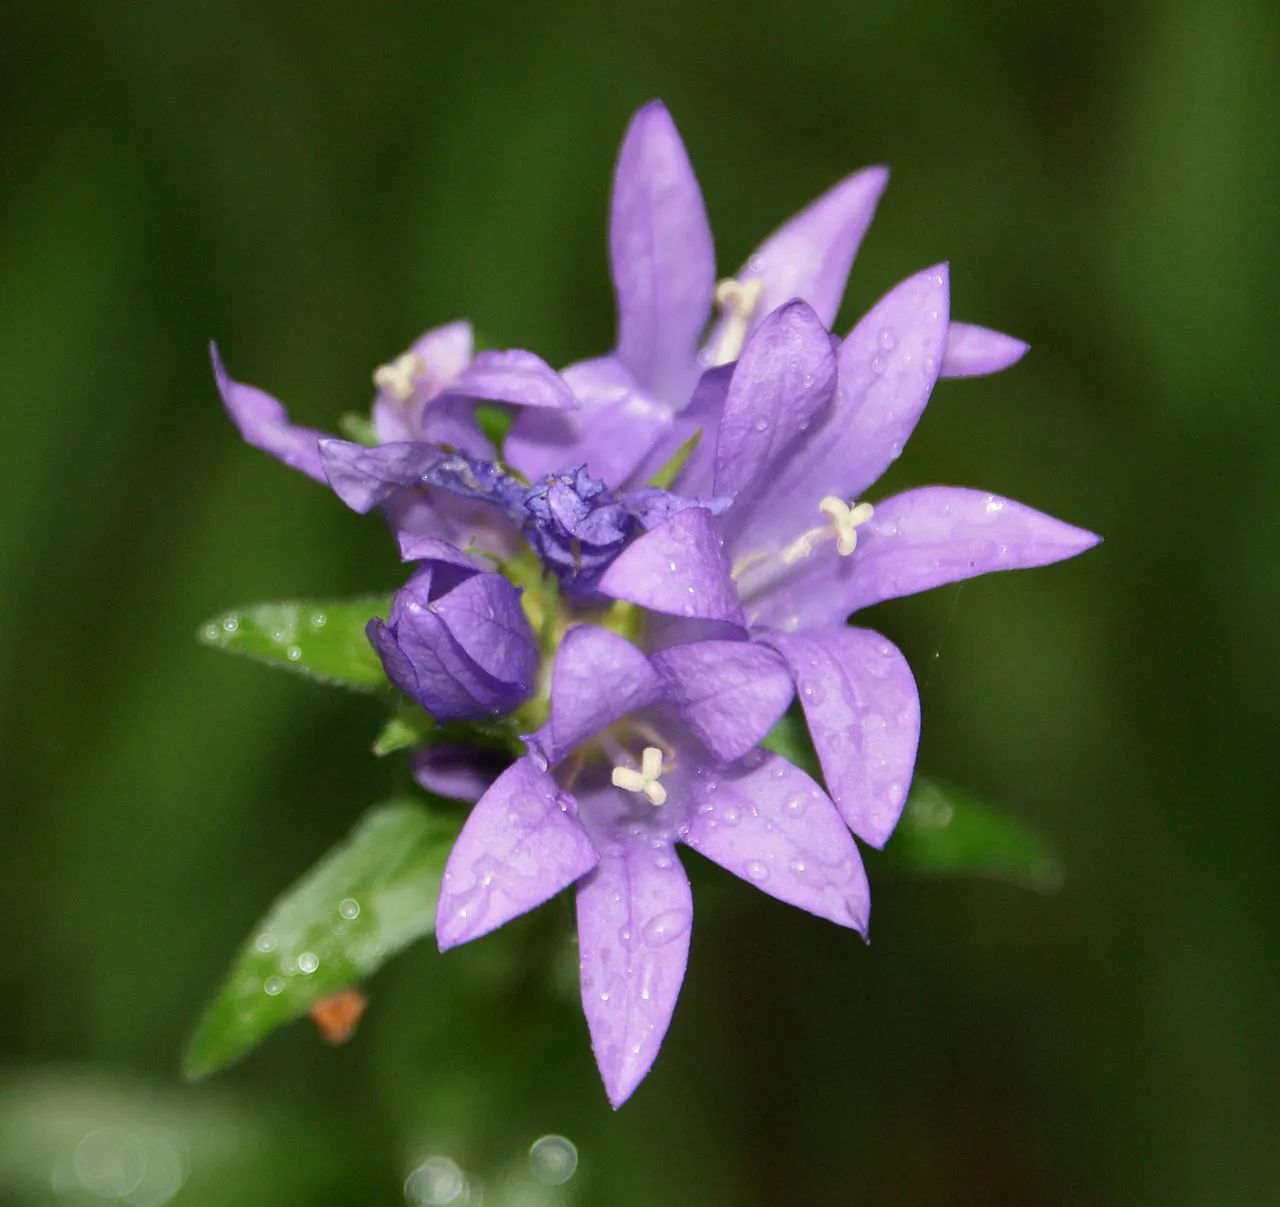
pixel 634 916
pixel 810 256
pixel 887 367
pixel 264 424
pixel 783 382
pixel 615 426
pixel 597 678
pixel 515 377
pixel 860 701
pixel 679 568
pixel 521 845
pixel 415 548
pixel 424 517
pixel 485 617
pixel 363 477
pixel 661 254
pixel 917 540
pixel 458 772
pixel 774 827
pixel 730 693
pixel 443 352
pixel 697 475
pixel 973 351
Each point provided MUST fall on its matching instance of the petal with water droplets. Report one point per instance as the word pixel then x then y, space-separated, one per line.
pixel 521 845
pixel 776 829
pixel 730 693
pixel 860 701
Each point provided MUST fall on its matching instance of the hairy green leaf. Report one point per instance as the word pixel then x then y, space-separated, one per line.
pixel 366 900
pixel 323 639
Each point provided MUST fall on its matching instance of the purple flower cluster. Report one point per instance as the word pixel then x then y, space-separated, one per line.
pixel 673 624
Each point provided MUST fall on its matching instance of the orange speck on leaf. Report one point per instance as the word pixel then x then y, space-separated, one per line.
pixel 338 1015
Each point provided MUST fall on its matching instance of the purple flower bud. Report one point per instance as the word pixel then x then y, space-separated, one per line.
pixel 458 643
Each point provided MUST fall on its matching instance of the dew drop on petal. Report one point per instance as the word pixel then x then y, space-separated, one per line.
pixel 757 871
pixel 886 340
pixel 666 927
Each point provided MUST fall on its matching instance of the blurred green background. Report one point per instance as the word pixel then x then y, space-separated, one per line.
pixel 314 184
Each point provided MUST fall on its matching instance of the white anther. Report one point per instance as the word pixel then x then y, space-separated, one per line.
pixel 846 520
pixel 397 378
pixel 738 300
pixel 646 779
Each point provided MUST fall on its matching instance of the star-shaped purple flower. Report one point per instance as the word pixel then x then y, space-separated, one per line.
pixel 802 432
pixel 640 754
pixel 637 404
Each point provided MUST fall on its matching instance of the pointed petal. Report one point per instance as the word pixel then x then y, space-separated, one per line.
pixel 783 382
pixel 917 540
pixel 521 845
pixel 775 828
pixel 974 351
pixel 363 477
pixel 661 254
pixel 514 376
pixel 680 568
pixel 810 256
pixel 730 693
pixel 887 367
pixel 634 916
pixel 616 424
pixel 417 548
pixel 597 678
pixel 863 711
pixel 264 424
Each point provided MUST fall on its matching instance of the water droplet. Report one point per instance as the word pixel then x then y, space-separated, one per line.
pixel 553 1160
pixel 687 609
pixel 730 816
pixel 436 1181
pixel 756 264
pixel 209 632
pixel 761 424
pixel 796 805
pixel 660 931
pixel 994 505
pixel 895 449
pixel 273 985
pixel 293 653
pixel 308 962
pixel 231 623
pixel 318 620
pixel 886 340
pixel 672 567
pixel 265 941
pixel 807 381
pixel 756 870
pixel 349 908
pixel 877 365
pixel 278 635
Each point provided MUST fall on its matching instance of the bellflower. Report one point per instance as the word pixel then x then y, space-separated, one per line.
pixel 640 754
pixel 635 403
pixel 804 431
pixel 458 643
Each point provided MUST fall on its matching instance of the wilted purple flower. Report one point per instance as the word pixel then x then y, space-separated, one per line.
pixel 803 432
pixel 635 403
pixel 458 643
pixel 640 754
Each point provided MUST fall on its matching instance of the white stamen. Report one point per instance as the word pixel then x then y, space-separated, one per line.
pixel 739 300
pixel 397 378
pixel 846 520
pixel 646 779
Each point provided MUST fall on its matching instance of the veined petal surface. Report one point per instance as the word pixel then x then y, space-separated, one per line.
pixel 661 254
pixel 363 477
pixel 860 702
pixel 521 845
pixel 775 828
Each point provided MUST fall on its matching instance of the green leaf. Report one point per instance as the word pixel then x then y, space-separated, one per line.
pixel 322 639
pixel 494 422
pixel 366 900
pixel 667 474
pixel 946 832
pixel 406 728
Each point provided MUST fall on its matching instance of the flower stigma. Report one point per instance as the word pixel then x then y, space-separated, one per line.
pixel 844 523
pixel 397 378
pixel 738 300
pixel 644 780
